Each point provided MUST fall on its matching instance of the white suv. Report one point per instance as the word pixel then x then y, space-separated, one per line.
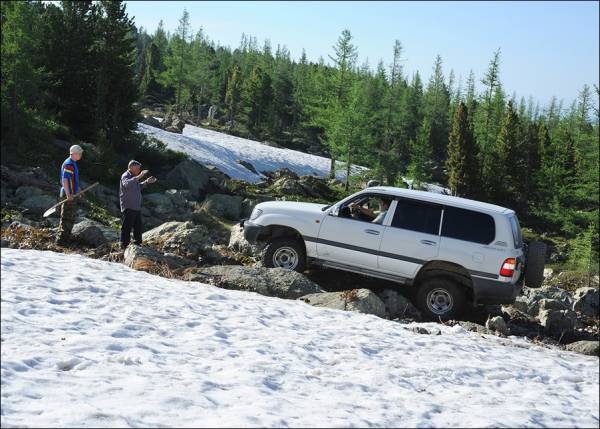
pixel 452 249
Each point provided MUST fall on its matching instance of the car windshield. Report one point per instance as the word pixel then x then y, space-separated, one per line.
pixel 516 232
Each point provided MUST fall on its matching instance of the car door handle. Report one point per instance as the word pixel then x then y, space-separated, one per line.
pixel 429 242
pixel 372 231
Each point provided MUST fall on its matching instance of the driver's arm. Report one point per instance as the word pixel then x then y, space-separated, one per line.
pixel 364 210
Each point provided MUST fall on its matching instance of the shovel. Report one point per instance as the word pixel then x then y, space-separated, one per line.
pixel 57 205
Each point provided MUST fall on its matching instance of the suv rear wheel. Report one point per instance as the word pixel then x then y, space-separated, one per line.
pixel 439 297
pixel 285 252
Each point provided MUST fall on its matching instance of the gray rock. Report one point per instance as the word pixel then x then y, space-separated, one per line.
pixel 93 233
pixel 590 348
pixel 558 323
pixel 497 324
pixel 25 192
pixel 4 243
pixel 226 206
pixel 548 272
pixel 160 203
pixel 276 282
pixel 144 258
pixel 248 166
pixel 239 244
pixel 288 186
pixel 248 205
pixel 586 301
pixel 359 300
pixel 398 306
pixel 179 237
pixel 420 330
pixel 189 174
pixel 87 233
pixel 39 203
pixel 552 304
pixel 532 298
pixel 514 314
pixel 521 304
pixel 474 327
pixel 149 120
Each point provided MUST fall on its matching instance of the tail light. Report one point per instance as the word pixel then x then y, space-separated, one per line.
pixel 508 267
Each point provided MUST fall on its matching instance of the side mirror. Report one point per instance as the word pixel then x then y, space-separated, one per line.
pixel 334 211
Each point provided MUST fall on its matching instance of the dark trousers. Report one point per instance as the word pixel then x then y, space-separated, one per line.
pixel 68 212
pixel 131 219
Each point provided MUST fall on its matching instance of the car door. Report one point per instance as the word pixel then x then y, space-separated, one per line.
pixel 349 241
pixel 411 239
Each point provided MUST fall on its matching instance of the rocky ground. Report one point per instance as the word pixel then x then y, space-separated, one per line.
pixel 193 234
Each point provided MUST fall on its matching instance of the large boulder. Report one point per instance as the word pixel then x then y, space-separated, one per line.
pixel 474 327
pixel 586 301
pixel 316 187
pixel 288 186
pixel 152 121
pixel 170 205
pixel 189 174
pixel 531 300
pixel 590 348
pixel 359 300
pixel 173 123
pixel 276 282
pixel 93 233
pixel 25 192
pixel 184 238
pixel 144 258
pixel 38 204
pixel 398 306
pixel 558 323
pixel 497 324
pixel 160 203
pixel 239 244
pixel 225 206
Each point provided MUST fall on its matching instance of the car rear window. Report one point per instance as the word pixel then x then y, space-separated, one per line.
pixel 468 225
pixel 516 232
pixel 416 216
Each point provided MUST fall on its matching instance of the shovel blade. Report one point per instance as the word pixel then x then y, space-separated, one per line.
pixel 49 212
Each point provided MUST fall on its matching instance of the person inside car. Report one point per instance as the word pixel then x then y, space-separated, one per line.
pixel 362 213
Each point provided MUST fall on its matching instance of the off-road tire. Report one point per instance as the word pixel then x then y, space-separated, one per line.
pixel 438 292
pixel 534 264
pixel 278 249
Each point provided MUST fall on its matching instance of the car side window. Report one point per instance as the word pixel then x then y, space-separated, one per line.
pixel 468 225
pixel 417 216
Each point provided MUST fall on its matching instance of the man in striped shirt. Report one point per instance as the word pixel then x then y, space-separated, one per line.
pixel 69 180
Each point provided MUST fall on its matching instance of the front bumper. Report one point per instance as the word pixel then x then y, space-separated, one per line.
pixel 252 231
pixel 488 291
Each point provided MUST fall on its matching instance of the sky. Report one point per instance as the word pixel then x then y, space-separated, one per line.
pixel 547 48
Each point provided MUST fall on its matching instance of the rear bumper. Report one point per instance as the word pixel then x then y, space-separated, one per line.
pixel 489 291
pixel 252 231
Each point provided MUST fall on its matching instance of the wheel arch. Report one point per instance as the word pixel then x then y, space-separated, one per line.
pixel 277 231
pixel 449 270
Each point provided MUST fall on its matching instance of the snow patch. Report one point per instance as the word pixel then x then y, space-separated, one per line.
pixel 92 343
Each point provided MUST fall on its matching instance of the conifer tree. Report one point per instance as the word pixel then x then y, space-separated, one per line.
pixel 21 72
pixel 421 152
pixel 510 165
pixel 462 157
pixel 344 60
pixel 232 97
pixel 114 113
pixel 436 105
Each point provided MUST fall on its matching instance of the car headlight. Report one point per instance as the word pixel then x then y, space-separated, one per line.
pixel 255 214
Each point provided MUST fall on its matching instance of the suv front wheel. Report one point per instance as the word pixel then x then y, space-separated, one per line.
pixel 440 298
pixel 285 252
